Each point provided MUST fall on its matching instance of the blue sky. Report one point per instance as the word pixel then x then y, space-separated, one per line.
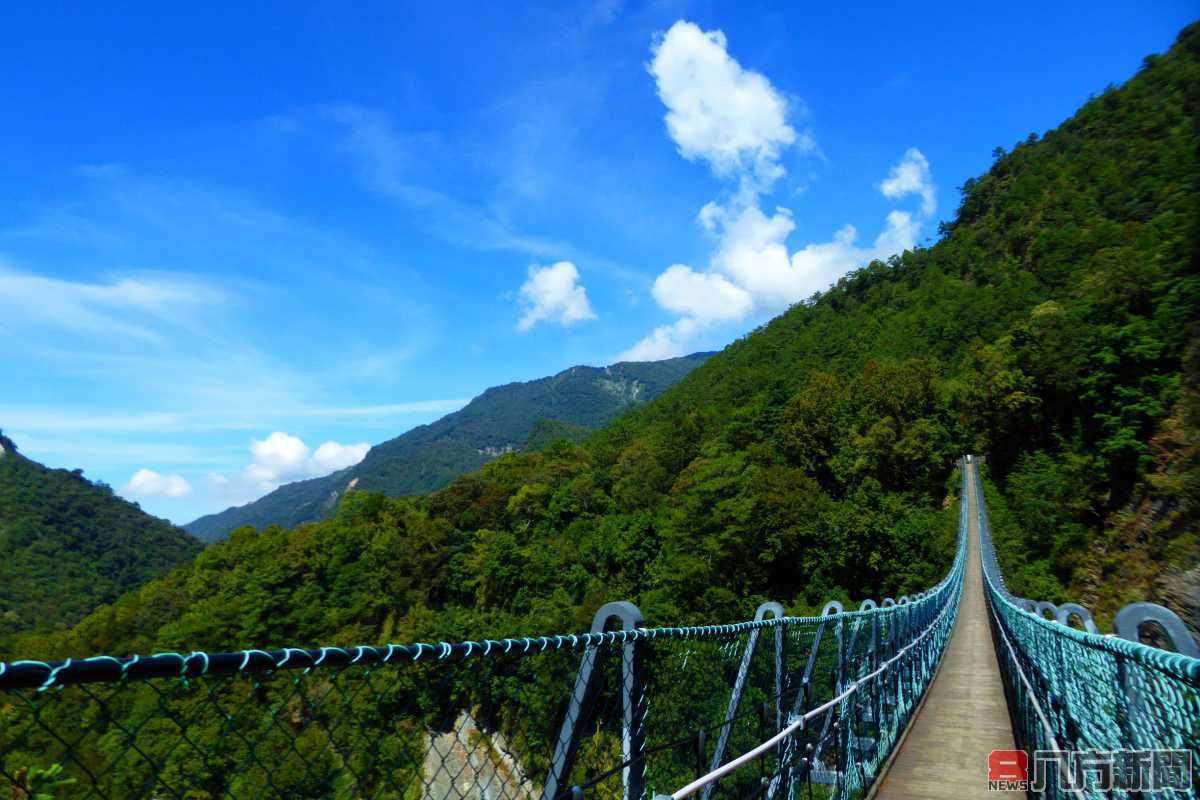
pixel 238 245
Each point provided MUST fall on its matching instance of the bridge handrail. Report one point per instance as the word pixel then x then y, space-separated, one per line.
pixel 33 674
pixel 820 711
pixel 1177 664
pixel 946 595
pixel 1076 690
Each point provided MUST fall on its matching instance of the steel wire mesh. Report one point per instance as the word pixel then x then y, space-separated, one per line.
pixel 436 721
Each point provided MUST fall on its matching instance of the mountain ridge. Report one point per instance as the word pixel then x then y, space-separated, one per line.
pixel 497 422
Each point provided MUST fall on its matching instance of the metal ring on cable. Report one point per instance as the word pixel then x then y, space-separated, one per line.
pixel 1043 607
pixel 1068 610
pixel 832 604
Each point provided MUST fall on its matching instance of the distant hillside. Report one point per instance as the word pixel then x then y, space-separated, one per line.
pixel 516 417
pixel 68 545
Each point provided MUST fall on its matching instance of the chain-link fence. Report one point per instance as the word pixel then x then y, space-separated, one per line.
pixel 466 720
pixel 611 713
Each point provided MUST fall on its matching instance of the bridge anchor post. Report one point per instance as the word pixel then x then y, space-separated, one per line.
pixel 776 611
pixel 633 706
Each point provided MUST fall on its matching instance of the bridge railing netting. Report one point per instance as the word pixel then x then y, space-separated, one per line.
pixel 1077 690
pixel 611 713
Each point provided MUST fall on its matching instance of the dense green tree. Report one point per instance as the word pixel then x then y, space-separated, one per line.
pixel 68 545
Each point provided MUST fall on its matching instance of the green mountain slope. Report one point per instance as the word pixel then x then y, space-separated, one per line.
pixel 1048 329
pixel 67 545
pixel 501 420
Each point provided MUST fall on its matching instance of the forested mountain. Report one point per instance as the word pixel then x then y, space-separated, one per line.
pixel 67 545
pixel 1052 328
pixel 516 417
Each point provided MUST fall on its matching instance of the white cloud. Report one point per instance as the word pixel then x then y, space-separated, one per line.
pixel 148 483
pixel 717 111
pixel 824 263
pixel 332 456
pixel 701 295
pixel 899 234
pixel 736 121
pixel 665 341
pixel 280 454
pixel 753 272
pixel 754 255
pixel 554 294
pixel 912 176
pixel 281 458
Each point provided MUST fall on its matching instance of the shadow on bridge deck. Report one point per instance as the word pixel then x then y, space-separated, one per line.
pixel 964 716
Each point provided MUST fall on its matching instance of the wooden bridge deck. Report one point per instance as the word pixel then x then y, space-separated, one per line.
pixel 965 715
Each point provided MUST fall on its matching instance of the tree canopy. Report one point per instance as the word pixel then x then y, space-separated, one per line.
pixel 68 545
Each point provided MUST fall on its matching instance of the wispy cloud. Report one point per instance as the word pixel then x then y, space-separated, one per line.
pixel 390 409
pixel 76 447
pixel 61 421
pixel 130 217
pixel 207 329
pixel 474 191
pixel 136 306
pixel 387 163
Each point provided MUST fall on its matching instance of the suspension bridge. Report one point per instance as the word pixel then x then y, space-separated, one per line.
pixel 964 716
pixel 908 697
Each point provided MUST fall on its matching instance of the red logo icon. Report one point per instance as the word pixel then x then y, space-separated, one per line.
pixel 1008 765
